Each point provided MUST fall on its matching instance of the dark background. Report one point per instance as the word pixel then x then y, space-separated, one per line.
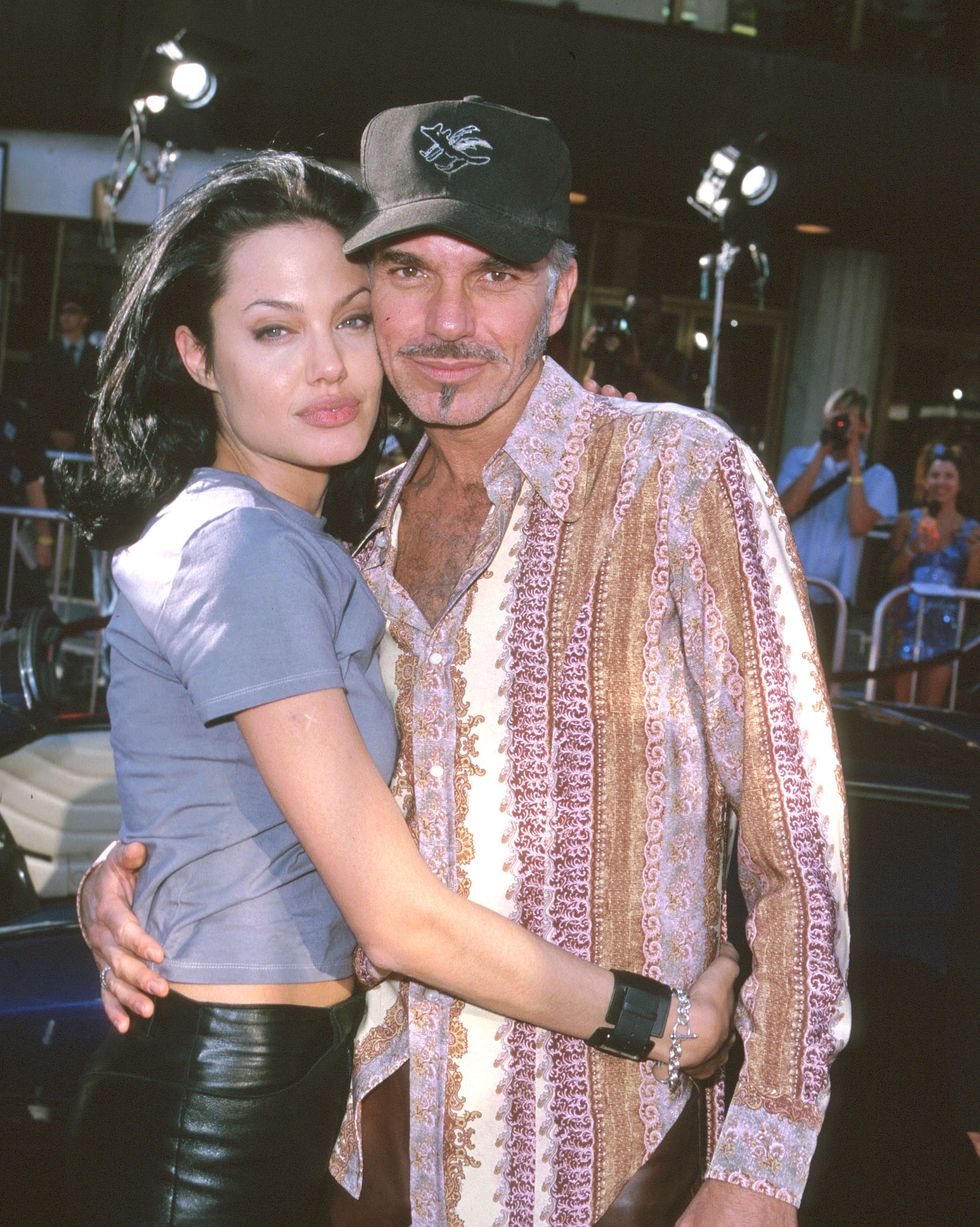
pixel 882 143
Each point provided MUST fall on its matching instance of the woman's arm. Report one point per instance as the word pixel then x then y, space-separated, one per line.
pixel 901 549
pixel 315 764
pixel 308 748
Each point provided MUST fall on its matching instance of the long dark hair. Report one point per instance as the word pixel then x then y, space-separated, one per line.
pixel 152 424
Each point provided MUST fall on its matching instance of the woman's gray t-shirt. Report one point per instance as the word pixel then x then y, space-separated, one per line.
pixel 233 597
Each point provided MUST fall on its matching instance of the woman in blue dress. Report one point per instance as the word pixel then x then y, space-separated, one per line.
pixel 935 544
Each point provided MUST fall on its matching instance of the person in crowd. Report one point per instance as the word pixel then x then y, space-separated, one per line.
pixel 833 498
pixel 252 735
pixel 933 544
pixel 22 478
pixel 629 347
pixel 597 652
pixel 61 378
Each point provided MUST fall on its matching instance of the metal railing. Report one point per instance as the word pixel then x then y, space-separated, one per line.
pixel 78 585
pixel 962 597
pixel 840 627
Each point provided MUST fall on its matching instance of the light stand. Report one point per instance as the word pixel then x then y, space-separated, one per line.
pixel 166 76
pixel 161 172
pixel 722 263
pixel 733 181
pixel 722 266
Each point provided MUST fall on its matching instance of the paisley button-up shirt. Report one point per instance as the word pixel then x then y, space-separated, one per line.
pixel 625 668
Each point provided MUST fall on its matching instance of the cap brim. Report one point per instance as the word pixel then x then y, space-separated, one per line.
pixel 501 236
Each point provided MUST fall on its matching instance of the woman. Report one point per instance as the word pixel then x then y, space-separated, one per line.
pixel 239 391
pixel 935 544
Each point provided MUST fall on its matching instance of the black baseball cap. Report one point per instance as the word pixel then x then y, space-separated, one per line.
pixel 481 172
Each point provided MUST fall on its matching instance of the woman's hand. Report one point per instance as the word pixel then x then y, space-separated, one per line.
pixel 712 1015
pixel 926 539
pixel 115 938
pixel 607 389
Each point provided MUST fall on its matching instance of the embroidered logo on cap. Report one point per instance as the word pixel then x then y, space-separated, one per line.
pixel 450 151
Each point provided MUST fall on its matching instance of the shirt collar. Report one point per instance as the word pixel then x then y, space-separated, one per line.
pixel 540 441
pixel 536 446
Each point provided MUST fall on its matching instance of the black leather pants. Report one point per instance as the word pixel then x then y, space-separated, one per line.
pixel 217 1115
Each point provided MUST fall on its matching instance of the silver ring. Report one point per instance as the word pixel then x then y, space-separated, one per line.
pixel 104 975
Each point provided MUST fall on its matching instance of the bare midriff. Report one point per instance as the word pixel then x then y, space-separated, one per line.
pixel 320 993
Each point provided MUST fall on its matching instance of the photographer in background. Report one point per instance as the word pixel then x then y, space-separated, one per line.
pixel 833 499
pixel 629 349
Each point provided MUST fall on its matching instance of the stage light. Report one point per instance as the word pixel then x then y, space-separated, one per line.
pixel 167 73
pixel 758 184
pixel 192 84
pixel 702 340
pixel 737 179
pixel 733 177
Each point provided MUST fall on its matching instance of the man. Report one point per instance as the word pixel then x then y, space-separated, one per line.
pixel 834 500
pixel 22 466
pixel 596 631
pixel 61 379
pixel 641 356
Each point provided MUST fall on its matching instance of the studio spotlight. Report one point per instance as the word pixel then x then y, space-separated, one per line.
pixel 758 184
pixel 167 73
pixel 732 178
pixel 736 180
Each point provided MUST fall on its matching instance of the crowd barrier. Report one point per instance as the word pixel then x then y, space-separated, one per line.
pixel 840 628
pixel 875 670
pixel 79 588
pixel 963 598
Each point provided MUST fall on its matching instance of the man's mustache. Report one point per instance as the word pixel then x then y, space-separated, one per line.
pixel 452 349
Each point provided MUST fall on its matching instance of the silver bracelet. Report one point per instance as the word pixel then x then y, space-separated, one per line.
pixel 679 1032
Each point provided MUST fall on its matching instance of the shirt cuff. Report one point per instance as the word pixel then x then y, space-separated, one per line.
pixel 764 1152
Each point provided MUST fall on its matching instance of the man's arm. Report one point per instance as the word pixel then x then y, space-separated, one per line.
pixel 720 1204
pixel 795 490
pixel 772 740
pixel 861 516
pixel 35 497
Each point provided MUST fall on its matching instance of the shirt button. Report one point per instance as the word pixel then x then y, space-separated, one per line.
pixel 435 658
pixel 436 771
